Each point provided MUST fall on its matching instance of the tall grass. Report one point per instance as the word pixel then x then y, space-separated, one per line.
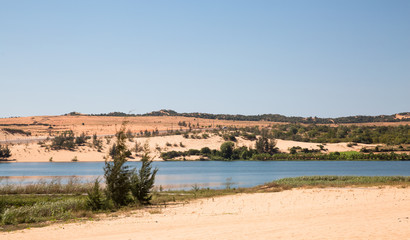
pixel 342 181
pixel 42 211
pixel 53 186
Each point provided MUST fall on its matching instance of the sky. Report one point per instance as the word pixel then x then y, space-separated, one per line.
pixel 296 58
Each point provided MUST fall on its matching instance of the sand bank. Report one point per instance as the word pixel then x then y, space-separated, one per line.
pixel 32 152
pixel 355 213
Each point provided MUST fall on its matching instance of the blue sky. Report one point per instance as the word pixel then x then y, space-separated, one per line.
pixel 297 58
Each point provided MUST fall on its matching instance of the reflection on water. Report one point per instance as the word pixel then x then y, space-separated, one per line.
pixel 212 174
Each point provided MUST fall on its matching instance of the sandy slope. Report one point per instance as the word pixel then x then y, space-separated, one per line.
pixel 32 152
pixel 357 213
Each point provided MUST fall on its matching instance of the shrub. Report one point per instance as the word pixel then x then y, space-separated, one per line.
pixel 229 137
pixel 5 152
pixel 64 141
pixel 138 148
pixel 193 152
pixel 81 140
pixel 95 199
pixel 249 136
pixel 205 151
pixel 265 145
pixel 227 149
pixel 261 156
pixel 17 131
pixel 142 181
pixel 117 174
pixel 97 143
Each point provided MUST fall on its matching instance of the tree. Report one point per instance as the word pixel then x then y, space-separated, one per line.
pixel 227 149
pixel 116 173
pixel 265 145
pixel 95 199
pixel 142 181
pixel 205 151
pixel 5 152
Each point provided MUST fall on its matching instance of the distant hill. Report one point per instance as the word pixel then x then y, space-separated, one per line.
pixel 399 117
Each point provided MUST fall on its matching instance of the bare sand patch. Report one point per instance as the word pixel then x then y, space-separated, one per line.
pixel 347 213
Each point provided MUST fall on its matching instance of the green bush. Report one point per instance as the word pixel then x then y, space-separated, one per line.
pixel 142 181
pixel 227 149
pixel 5 152
pixel 205 151
pixel 95 198
pixel 117 174
pixel 64 141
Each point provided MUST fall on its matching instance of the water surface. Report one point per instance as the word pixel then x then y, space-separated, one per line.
pixel 212 173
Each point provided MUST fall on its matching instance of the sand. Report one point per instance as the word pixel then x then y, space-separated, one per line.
pixel 103 125
pixel 32 152
pixel 347 213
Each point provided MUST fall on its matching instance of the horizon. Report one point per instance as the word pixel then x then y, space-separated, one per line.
pixel 141 114
pixel 293 58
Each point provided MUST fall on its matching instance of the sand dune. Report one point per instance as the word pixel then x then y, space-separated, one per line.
pixel 349 213
pixel 32 152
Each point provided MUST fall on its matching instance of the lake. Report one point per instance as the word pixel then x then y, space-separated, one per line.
pixel 211 174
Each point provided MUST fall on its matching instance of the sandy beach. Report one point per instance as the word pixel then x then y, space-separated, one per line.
pixel 345 213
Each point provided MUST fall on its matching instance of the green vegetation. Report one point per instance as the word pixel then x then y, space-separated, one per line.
pixel 392 135
pixel 117 174
pixel 341 181
pixel 95 197
pixel 4 152
pixel 16 131
pixel 42 211
pixel 53 186
pixel 26 208
pixel 227 150
pixel 266 150
pixel 97 143
pixel 123 185
pixel 42 201
pixel 81 140
pixel 64 141
pixel 142 181
pixel 268 117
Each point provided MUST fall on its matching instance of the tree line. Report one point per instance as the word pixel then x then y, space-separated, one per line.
pixel 390 135
pixel 270 117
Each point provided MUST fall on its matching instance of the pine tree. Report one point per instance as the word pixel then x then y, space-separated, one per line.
pixel 116 173
pixel 142 181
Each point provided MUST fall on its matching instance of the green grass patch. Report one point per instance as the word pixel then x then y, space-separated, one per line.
pixel 341 181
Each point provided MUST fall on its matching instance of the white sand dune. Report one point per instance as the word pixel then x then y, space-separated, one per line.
pixel 32 152
pixel 348 213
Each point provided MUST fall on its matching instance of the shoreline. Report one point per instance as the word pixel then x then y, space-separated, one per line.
pixel 206 160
